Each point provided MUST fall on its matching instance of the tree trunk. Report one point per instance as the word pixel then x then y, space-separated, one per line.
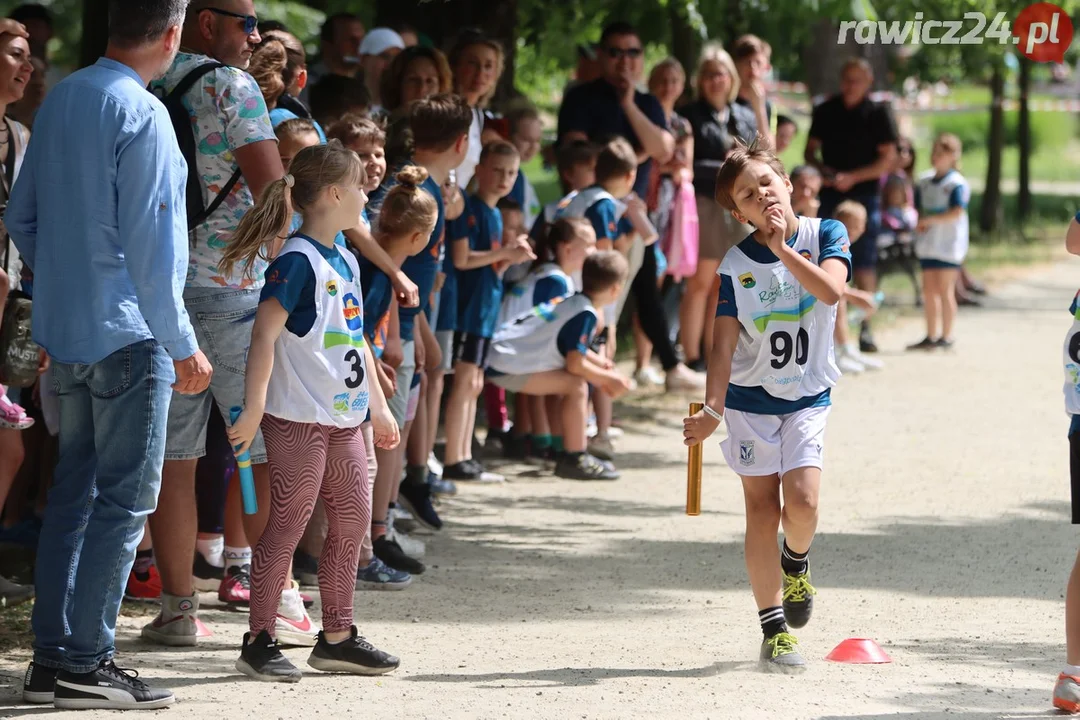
pixel 822 59
pixel 735 23
pixel 442 20
pixel 1024 206
pixel 95 31
pixel 991 200
pixel 685 41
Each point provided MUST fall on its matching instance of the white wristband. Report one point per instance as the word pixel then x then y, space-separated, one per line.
pixel 713 414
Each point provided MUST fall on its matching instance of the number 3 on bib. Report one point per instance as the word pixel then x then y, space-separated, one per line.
pixel 784 350
pixel 356 361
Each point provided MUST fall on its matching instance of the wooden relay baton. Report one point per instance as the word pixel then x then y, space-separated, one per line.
pixel 693 471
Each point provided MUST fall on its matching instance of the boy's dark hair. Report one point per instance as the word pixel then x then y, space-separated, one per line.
pixel 352 128
pixel 294 127
pixel 572 154
pixel 336 95
pixel 134 23
pixel 616 159
pixel 33 11
pixel 801 171
pixel 738 161
pixel 619 28
pixel 498 148
pixel 438 121
pixel 508 204
pixel 603 270
pixel 747 46
pixel 329 27
pixel 785 120
pixel 266 26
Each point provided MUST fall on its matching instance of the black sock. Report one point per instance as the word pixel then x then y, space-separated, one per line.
pixel 792 562
pixel 772 621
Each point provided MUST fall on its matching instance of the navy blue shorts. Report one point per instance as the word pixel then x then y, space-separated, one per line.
pixel 473 349
pixel 929 264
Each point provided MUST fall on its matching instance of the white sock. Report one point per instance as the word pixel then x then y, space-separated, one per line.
pixel 212 549
pixel 1073 670
pixel 237 556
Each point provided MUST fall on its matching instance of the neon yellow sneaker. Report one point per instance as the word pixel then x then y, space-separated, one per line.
pixel 798 599
pixel 780 652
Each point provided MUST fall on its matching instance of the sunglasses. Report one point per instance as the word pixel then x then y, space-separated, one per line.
pixel 618 53
pixel 250 21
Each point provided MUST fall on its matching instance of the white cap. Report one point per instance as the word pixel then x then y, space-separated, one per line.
pixel 379 40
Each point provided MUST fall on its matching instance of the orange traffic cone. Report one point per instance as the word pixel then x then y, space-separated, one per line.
pixel 860 651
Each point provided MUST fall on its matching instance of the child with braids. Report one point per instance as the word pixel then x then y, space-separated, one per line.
pixel 309 388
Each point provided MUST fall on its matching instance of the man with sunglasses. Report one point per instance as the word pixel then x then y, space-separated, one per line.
pixel 235 159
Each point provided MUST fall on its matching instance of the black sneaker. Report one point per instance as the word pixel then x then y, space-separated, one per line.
pixel 866 341
pixel 391 553
pixel 943 344
pixel 207 577
pixel 441 486
pixel 698 365
pixel 107 688
pixel 416 498
pixel 798 597
pixel 515 447
pixel 354 655
pixel 583 466
pixel 464 470
pixel 39 684
pixel 305 568
pixel 924 344
pixel 261 659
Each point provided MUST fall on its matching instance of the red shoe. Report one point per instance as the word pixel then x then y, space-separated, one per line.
pixel 147 589
pixel 236 587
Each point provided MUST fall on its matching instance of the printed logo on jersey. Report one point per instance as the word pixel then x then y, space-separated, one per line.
pixel 547 310
pixel 746 453
pixel 353 317
pixel 747 280
pixel 360 402
pixel 806 254
pixel 353 332
pixel 341 403
pixel 778 290
pixel 611 227
pixel 331 288
pixel 471 222
pixel 787 314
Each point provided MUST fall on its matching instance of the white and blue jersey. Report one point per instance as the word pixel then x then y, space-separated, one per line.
pixel 1072 363
pixel 944 243
pixel 541 285
pixel 784 359
pixel 540 340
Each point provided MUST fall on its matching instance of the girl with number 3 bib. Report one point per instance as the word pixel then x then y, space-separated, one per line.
pixel 770 375
pixel 308 387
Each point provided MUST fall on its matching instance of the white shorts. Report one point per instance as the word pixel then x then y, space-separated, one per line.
pixel 761 445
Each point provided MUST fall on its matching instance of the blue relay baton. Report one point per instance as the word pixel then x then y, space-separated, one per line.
pixel 243 465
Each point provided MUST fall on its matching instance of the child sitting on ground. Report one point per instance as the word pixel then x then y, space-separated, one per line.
pixel 480 258
pixel 546 352
pixel 941 240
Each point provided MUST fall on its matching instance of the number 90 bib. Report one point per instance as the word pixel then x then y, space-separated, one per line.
pixel 786 342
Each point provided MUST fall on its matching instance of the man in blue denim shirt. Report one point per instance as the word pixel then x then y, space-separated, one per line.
pixel 99 215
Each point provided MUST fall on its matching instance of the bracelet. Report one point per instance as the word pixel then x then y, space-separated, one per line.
pixel 713 414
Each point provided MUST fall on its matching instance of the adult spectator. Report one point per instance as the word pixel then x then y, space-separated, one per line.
pixel 408 34
pixel 38 21
pixel 611 106
pixel 108 309
pixel 751 56
pixel 852 140
pixel 377 50
pixel 336 96
pixel 25 109
pixel 339 48
pixel 416 73
pixel 477 61
pixel 232 133
pixel 279 66
pixel 719 121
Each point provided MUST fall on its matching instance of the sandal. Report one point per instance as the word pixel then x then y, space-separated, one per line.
pixel 12 416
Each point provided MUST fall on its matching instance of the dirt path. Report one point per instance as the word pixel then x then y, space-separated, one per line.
pixel 944 536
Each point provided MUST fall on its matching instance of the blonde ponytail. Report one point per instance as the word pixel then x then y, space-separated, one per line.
pixel 259 227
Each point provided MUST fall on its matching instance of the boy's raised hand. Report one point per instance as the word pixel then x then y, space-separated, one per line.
pixel 775 229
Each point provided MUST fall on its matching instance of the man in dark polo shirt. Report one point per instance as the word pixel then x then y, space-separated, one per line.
pixel 857 139
pixel 611 105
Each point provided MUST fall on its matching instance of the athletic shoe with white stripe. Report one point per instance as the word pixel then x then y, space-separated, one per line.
pixel 107 688
pixel 293 625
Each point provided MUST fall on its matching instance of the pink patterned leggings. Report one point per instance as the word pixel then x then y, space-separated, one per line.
pixel 309 461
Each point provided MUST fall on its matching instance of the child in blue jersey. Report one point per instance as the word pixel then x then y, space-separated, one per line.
pixel 576 163
pixel 440 126
pixel 769 377
pixel 309 388
pixel 480 259
pixel 1067 689
pixel 941 239
pixel 406 221
pixel 546 352
pixel 367 139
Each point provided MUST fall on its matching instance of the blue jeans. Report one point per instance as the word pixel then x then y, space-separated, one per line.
pixel 112 445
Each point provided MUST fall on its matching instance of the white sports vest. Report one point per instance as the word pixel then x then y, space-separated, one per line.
pixel 1072 365
pixel 786 342
pixel 518 299
pixel 947 242
pixel 323 377
pixel 529 344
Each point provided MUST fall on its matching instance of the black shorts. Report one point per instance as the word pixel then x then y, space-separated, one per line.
pixel 1074 475
pixel 473 349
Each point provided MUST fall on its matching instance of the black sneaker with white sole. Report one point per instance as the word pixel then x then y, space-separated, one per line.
pixel 107 688
pixel 261 658
pixel 416 498
pixel 38 684
pixel 583 466
pixel 391 553
pixel 353 655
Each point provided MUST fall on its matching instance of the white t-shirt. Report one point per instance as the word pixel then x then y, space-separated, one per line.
pixel 945 242
pixel 467 168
